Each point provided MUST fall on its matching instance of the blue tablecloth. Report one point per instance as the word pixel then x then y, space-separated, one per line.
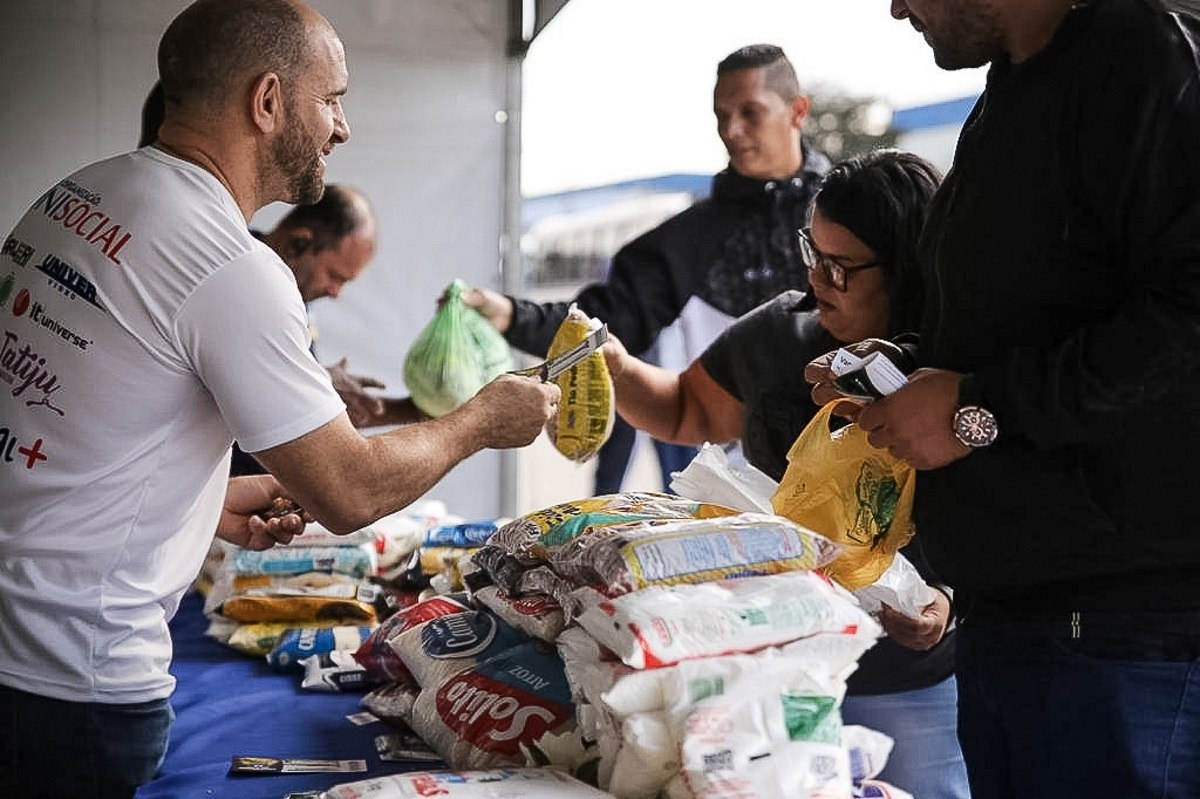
pixel 229 704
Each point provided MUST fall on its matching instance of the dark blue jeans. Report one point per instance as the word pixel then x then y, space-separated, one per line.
pixel 613 458
pixel 50 749
pixel 1043 713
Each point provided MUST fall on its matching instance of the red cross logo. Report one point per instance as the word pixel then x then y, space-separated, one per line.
pixel 32 454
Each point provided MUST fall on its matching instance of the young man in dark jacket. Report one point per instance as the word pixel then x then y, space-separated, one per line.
pixel 1058 419
pixel 721 257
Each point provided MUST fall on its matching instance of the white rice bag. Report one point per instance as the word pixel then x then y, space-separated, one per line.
pixel 538 615
pixel 765 741
pixel 647 760
pixel 480 717
pixel 869 750
pixel 436 649
pixel 662 625
pixel 518 783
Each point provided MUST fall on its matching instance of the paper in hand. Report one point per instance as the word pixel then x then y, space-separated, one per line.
pixel 866 378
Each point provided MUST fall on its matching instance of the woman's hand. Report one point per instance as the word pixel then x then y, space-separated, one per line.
pixel 923 632
pixel 614 357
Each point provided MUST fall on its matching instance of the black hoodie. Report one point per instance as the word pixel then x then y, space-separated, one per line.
pixel 1063 257
pixel 734 249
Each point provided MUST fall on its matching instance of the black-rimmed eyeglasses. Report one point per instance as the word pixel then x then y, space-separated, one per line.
pixel 833 271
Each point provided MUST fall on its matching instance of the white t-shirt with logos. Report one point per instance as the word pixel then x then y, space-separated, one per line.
pixel 142 329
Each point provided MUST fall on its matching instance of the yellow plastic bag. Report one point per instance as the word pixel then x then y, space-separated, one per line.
pixel 861 497
pixel 587 409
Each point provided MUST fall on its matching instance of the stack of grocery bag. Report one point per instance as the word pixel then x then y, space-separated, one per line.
pixel 648 644
pixel 311 596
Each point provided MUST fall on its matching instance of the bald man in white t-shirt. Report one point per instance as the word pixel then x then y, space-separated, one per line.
pixel 145 330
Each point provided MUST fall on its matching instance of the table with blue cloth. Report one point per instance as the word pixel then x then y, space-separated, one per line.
pixel 228 704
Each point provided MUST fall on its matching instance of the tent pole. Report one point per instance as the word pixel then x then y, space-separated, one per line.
pixel 522 15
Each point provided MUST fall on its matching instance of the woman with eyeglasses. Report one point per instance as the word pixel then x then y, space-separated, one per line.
pixel 860 247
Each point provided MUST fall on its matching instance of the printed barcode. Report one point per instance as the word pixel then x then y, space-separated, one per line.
pixel 824 766
pixel 718 761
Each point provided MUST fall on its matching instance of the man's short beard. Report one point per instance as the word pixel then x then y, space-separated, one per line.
pixel 308 187
pixel 290 158
pixel 974 40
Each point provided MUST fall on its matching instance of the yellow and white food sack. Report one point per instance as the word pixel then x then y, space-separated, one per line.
pixel 587 409
pixel 549 528
pixel 635 555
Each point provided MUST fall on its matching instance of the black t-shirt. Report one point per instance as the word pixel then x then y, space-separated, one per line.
pixel 760 360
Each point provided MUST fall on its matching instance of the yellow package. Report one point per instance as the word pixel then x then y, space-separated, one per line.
pixel 547 529
pixel 587 408
pixel 260 638
pixel 241 583
pixel 435 560
pixel 263 608
pixel 636 555
pixel 861 497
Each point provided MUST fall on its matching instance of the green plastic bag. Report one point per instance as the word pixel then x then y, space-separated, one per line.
pixel 457 354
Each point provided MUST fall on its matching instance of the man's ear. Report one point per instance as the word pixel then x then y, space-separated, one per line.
pixel 801 105
pixel 266 99
pixel 300 240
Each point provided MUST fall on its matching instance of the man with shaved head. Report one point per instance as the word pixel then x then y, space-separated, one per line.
pixel 326 244
pixel 148 330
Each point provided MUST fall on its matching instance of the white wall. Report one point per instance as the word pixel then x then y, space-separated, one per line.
pixel 427 79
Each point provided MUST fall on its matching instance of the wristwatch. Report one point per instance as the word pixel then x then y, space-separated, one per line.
pixel 975 426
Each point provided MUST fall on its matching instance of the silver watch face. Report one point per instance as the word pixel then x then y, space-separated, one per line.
pixel 975 426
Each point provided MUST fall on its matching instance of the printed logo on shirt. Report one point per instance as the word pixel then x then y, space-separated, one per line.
pixel 25 370
pixel 67 281
pixel 13 451
pixel 6 286
pixel 38 316
pixel 21 302
pixel 17 250
pixel 75 208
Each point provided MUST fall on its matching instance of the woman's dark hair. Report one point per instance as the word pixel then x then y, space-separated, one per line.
pixel 882 197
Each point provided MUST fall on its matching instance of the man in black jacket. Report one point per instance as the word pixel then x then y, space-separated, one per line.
pixel 1058 416
pixel 722 256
